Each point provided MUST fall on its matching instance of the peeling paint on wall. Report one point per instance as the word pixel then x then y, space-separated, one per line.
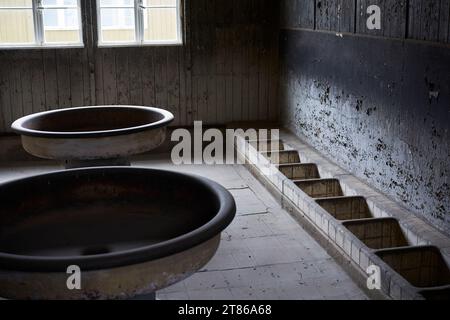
pixel 380 108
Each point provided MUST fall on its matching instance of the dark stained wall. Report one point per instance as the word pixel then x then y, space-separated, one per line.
pixel 226 71
pixel 375 101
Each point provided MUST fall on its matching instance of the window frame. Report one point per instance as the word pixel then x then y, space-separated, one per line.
pixel 139 28
pixel 39 30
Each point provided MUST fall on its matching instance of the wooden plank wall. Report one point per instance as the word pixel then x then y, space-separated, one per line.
pixel 227 70
pixel 426 20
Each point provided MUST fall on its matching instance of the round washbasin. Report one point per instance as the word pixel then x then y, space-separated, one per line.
pixel 131 231
pixel 91 133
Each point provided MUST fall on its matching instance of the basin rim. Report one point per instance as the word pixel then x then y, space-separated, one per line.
pixel 18 125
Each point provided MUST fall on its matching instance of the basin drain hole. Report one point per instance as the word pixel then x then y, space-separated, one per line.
pixel 95 250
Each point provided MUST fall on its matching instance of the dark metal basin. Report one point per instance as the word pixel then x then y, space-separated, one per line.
pixel 97 132
pixel 130 230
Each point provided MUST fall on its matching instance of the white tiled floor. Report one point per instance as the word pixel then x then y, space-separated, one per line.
pixel 264 253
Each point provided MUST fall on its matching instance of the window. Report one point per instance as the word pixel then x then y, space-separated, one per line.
pixel 40 23
pixel 139 22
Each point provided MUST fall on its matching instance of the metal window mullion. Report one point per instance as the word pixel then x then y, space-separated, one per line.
pixel 59 7
pixel 38 22
pixel 117 7
pixel 15 8
pixel 160 7
pixel 180 19
pixel 139 21
pixel 80 23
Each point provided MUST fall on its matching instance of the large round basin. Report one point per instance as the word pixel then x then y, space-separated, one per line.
pixel 131 231
pixel 93 133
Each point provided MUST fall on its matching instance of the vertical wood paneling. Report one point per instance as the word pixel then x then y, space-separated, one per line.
pixel 77 67
pixel 326 18
pixel 274 64
pixel 237 60
pixel 254 60
pixel 220 61
pixel 172 86
pixel 196 60
pixel 228 52
pixel 122 76
pixel 26 86
pixel 297 13
pixel 98 77
pixel 444 21
pixel 186 116
pixel 429 20
pixel 15 91
pixel 182 97
pixel 5 99
pixel 37 81
pixel 161 76
pixel 201 61
pixel 393 18
pixel 50 80
pixel 346 11
pixel 245 59
pixel 109 76
pixel 87 55
pixel 63 78
pixel 362 14
pixel 148 78
pixel 210 68
pixel 226 70
pixel 263 64
pixel 135 65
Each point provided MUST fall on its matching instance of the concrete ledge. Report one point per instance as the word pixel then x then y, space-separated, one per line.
pixel 335 252
pixel 331 230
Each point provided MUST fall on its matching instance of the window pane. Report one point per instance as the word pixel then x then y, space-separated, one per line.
pixel 160 24
pixel 61 18
pixel 71 18
pixel 49 2
pixel 16 3
pixel 117 25
pixel 50 18
pixel 170 3
pixel 59 3
pixel 70 2
pixel 117 3
pixel 16 26
pixel 61 26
